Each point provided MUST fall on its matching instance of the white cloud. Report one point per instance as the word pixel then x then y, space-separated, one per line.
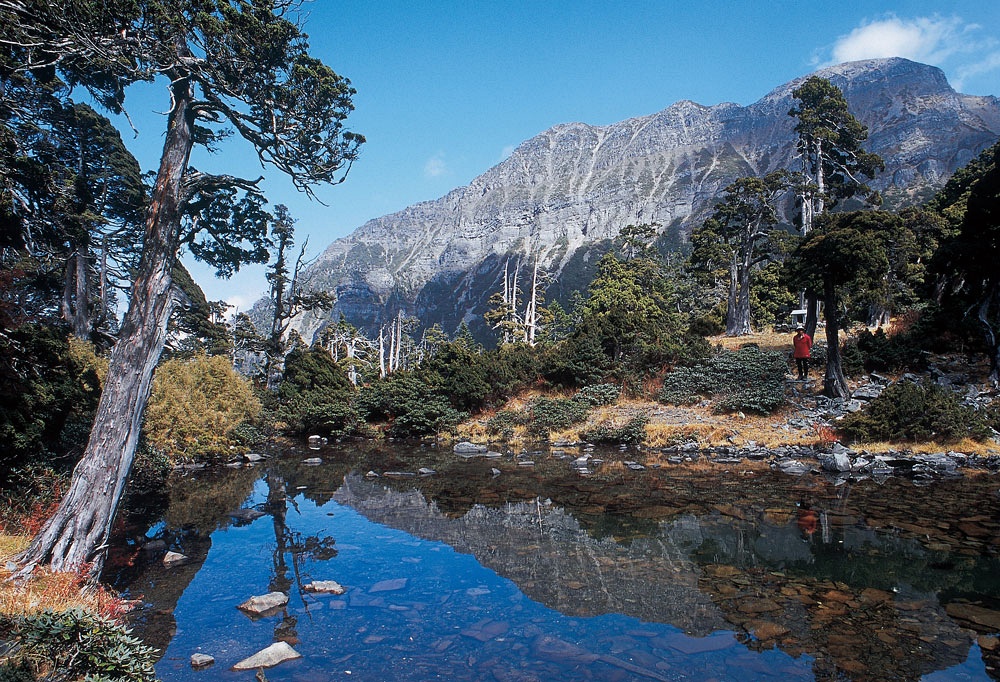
pixel 963 49
pixel 240 302
pixel 924 39
pixel 990 62
pixel 435 166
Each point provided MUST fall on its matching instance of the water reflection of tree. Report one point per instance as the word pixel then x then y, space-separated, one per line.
pixel 290 545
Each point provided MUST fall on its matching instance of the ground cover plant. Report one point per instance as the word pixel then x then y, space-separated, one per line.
pixel 909 411
pixel 749 379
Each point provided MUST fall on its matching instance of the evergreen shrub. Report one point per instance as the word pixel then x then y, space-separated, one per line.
pixel 408 405
pixel 919 412
pixel 75 644
pixel 195 407
pixel 747 379
pixel 598 394
pixel 556 414
pixel 502 424
pixel 632 432
pixel 315 396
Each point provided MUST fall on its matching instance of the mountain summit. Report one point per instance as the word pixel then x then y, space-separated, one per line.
pixel 574 185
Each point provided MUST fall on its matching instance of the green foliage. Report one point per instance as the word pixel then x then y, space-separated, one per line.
pixel 460 373
pixel 830 141
pixel 919 412
pixel 195 406
pixel 315 396
pixel 75 644
pixel 410 409
pixel 881 352
pixel 51 388
pixel 598 394
pixel 951 201
pixel 502 424
pixel 579 360
pixel 709 324
pixel 632 432
pixel 771 302
pixel 748 379
pixel 556 414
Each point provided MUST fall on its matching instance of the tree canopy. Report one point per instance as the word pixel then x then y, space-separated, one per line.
pixel 240 65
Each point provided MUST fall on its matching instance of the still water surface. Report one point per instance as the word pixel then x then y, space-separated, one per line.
pixel 539 573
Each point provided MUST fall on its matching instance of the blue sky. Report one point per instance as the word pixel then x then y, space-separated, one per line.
pixel 447 89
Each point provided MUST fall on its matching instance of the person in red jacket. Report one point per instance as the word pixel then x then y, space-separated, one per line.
pixel 801 343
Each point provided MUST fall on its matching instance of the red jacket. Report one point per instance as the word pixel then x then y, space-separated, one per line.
pixel 801 343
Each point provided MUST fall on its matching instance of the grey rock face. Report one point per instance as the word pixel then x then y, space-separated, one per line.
pixel 574 185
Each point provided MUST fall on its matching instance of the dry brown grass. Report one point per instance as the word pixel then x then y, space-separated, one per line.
pixel 966 446
pixel 48 590
pixel 767 339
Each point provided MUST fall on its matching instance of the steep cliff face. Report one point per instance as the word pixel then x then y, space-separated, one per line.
pixel 575 185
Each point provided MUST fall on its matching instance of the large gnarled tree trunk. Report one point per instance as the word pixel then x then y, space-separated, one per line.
pixel 834 382
pixel 77 534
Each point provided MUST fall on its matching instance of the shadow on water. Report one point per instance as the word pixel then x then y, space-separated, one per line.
pixel 539 573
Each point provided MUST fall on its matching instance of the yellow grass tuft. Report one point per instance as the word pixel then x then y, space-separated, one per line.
pixel 46 590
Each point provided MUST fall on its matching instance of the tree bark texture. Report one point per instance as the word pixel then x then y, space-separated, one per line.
pixel 738 317
pixel 834 383
pixel 75 537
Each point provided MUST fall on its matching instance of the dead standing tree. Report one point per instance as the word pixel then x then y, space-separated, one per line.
pixel 259 79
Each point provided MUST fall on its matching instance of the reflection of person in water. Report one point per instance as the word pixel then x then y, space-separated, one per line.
pixel 808 520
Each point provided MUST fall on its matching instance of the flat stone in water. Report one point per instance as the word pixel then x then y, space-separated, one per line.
pixel 467 448
pixel 977 615
pixel 201 660
pixel 694 645
pixel 487 629
pixel 325 587
pixel 174 559
pixel 389 585
pixel 279 652
pixel 260 604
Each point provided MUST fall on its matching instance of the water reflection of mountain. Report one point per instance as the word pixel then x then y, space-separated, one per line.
pixel 850 596
pixel 552 560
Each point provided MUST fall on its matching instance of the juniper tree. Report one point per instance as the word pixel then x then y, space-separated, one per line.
pixel 738 237
pixel 834 165
pixel 846 252
pixel 240 65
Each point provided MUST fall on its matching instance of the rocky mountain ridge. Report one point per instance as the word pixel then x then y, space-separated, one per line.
pixel 573 186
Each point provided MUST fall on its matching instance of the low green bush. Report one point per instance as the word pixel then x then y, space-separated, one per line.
pixel 882 353
pixel 556 414
pixel 408 406
pixel 75 644
pixel 918 412
pixel 632 433
pixel 501 425
pixel 598 394
pixel 747 379
pixel 195 405
pixel 315 395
